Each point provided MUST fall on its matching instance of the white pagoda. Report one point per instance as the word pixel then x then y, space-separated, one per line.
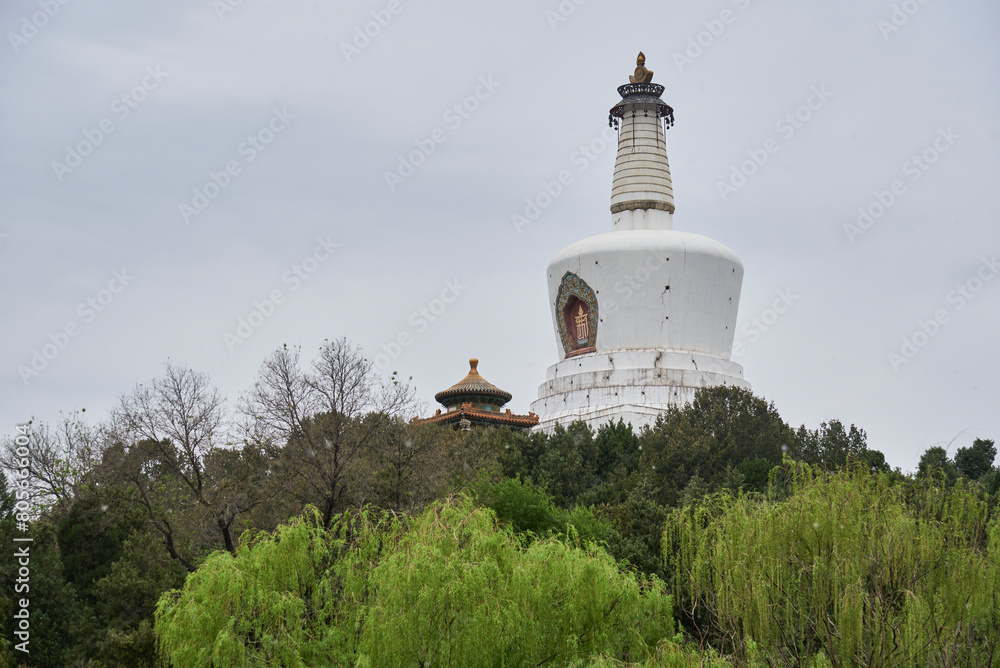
pixel 644 315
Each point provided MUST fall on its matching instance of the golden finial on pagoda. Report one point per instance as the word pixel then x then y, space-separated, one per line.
pixel 642 75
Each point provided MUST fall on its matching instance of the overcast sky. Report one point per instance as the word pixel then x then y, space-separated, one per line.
pixel 168 168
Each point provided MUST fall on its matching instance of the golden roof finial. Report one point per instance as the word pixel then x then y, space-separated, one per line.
pixel 642 75
pixel 473 363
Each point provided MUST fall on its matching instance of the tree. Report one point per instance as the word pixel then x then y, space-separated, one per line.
pixel 617 450
pixel 127 598
pixel 90 539
pixel 180 419
pixel 875 461
pixel 61 627
pixel 935 464
pixel 721 428
pixel 838 446
pixel 756 473
pixel 638 523
pixel 58 459
pixel 567 467
pixel 833 446
pixel 407 465
pixel 977 460
pixel 484 453
pixel 8 571
pixel 852 566
pixel 519 453
pixel 141 475
pixel 317 424
pixel 452 588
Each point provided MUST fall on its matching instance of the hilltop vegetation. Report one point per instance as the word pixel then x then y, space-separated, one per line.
pixel 312 524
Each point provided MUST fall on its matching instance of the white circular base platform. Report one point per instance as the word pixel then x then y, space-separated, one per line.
pixel 634 385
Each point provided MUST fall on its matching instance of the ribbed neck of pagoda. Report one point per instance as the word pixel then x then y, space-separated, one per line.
pixel 642 194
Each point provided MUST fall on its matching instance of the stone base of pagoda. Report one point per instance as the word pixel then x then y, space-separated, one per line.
pixel 634 385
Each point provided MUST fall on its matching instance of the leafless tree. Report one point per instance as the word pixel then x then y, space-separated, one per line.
pixel 180 417
pixel 57 458
pixel 318 422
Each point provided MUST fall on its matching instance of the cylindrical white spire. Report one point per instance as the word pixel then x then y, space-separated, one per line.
pixel 642 172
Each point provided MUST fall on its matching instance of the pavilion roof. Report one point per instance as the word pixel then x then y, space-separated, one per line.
pixel 473 386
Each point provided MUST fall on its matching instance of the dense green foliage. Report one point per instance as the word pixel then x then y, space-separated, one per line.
pixel 529 509
pixel 449 588
pixel 175 492
pixel 851 566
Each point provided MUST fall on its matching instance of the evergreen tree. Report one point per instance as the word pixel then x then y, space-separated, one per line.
pixel 637 523
pixel 977 460
pixel 936 465
pixel 756 473
pixel 62 628
pixel 90 539
pixel 617 450
pixel 127 599
pixel 833 447
pixel 721 428
pixel 568 466
pixel 520 453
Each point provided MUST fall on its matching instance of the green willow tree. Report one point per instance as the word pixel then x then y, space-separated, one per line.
pixel 853 568
pixel 451 587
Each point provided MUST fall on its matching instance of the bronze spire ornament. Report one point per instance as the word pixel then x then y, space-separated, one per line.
pixel 642 75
